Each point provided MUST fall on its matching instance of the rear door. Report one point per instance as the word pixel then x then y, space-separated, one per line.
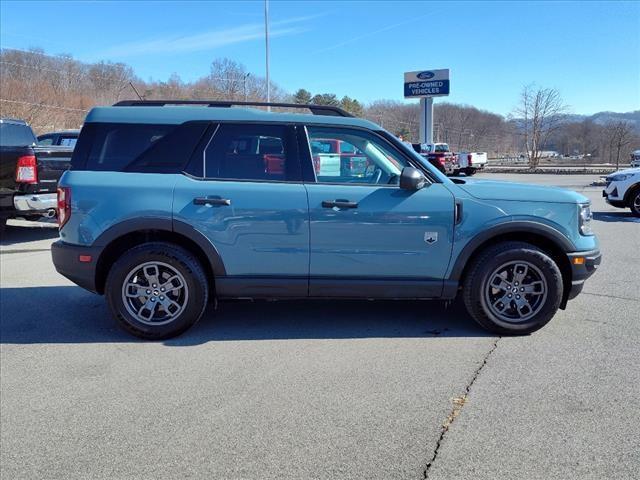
pixel 368 236
pixel 245 194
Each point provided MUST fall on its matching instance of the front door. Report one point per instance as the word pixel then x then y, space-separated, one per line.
pixel 368 236
pixel 252 206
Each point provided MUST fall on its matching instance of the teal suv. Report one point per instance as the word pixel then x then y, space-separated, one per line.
pixel 171 205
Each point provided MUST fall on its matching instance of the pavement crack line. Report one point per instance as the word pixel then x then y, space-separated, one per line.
pixel 24 250
pixel 610 296
pixel 456 409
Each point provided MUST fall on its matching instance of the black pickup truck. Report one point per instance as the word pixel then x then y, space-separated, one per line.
pixel 28 173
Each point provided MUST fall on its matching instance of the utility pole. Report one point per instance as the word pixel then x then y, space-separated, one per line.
pixel 266 44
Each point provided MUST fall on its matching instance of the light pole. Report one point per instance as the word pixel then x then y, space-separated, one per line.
pixel 266 42
pixel 245 85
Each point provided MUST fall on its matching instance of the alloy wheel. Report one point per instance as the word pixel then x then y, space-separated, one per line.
pixel 155 293
pixel 515 291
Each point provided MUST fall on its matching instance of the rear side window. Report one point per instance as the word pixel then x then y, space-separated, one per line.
pixel 12 135
pixel 136 147
pixel 68 141
pixel 252 152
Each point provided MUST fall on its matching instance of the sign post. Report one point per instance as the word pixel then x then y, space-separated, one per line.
pixel 425 85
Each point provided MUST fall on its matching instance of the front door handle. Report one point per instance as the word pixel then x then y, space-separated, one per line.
pixel 212 201
pixel 340 203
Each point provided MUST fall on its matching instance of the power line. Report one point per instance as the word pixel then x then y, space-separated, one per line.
pixel 44 105
pixel 33 52
pixel 86 75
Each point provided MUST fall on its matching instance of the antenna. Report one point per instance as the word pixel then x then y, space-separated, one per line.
pixel 134 89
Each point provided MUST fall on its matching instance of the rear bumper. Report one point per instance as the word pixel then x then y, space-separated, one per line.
pixel 581 270
pixel 34 203
pixel 66 259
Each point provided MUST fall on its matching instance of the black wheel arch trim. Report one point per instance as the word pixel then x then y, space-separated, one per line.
pixel 167 225
pixel 519 226
pixel 631 191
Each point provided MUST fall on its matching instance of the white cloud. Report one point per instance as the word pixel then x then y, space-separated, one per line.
pixel 206 40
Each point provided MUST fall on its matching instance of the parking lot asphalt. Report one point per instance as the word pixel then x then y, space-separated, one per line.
pixel 320 389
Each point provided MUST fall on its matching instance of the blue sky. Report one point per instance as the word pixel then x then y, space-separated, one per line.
pixel 590 51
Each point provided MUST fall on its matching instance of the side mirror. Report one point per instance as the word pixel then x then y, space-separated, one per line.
pixel 412 179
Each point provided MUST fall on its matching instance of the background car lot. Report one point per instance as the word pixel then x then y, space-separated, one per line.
pixel 320 390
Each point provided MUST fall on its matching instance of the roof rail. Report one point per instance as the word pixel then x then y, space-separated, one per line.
pixel 315 109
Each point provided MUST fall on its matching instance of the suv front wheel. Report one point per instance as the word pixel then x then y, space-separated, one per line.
pixel 157 290
pixel 634 202
pixel 513 288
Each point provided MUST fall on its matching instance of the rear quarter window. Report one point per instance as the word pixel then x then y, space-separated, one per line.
pixel 136 147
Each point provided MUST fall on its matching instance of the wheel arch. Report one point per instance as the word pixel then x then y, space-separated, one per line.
pixel 542 236
pixel 631 191
pixel 123 236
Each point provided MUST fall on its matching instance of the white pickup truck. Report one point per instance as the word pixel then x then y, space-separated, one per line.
pixel 470 162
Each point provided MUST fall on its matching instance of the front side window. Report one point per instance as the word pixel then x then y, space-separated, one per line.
pixel 343 155
pixel 252 153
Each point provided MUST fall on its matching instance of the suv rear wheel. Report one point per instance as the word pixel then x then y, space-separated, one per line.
pixel 513 288
pixel 157 290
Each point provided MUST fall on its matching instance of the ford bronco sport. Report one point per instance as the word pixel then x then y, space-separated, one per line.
pixel 168 207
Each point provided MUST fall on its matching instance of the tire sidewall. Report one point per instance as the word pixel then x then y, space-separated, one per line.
pixel 634 196
pixel 552 277
pixel 179 260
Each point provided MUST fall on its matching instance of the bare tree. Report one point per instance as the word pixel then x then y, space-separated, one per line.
pixel 540 113
pixel 620 135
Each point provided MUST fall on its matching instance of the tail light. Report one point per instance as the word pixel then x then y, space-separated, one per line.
pixel 469 157
pixel 64 205
pixel 27 169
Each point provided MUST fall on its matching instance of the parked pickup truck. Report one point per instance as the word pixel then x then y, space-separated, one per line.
pixel 470 162
pixel 28 174
pixel 440 153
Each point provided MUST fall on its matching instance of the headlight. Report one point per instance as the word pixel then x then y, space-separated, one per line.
pixel 584 218
pixel 619 178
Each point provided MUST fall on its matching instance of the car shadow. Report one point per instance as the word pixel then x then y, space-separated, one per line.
pixel 27 232
pixel 621 216
pixel 67 314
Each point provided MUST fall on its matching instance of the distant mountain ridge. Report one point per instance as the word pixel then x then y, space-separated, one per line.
pixel 602 118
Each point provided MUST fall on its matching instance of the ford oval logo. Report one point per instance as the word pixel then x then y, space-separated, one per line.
pixel 425 75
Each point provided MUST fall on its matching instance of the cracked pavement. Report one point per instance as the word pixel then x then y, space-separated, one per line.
pixel 320 389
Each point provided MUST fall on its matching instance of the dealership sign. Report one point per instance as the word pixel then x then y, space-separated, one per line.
pixel 426 83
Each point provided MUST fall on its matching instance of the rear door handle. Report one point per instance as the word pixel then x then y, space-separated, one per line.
pixel 340 203
pixel 212 201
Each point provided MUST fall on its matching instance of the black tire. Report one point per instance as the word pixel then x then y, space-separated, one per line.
pixel 470 172
pixel 172 257
pixel 634 202
pixel 3 225
pixel 477 292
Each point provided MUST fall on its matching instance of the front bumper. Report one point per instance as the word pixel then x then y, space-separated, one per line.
pixel 583 265
pixel 34 203
pixel 66 259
